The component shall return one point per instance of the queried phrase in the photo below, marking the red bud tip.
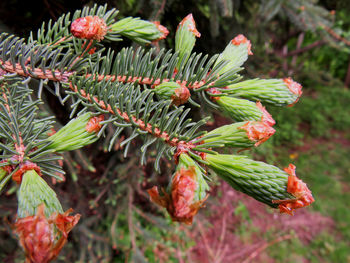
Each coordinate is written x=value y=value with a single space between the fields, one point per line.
x=89 y=27
x=258 y=132
x=298 y=189
x=94 y=124
x=266 y=116
x=191 y=25
x=24 y=167
x=162 y=29
x=241 y=39
x=294 y=87
x=181 y=95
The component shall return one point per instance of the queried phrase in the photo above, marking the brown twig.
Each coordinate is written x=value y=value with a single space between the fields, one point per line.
x=266 y=245
x=304 y=49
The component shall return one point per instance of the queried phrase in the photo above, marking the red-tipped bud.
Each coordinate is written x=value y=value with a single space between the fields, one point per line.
x=266 y=116
x=191 y=24
x=294 y=87
x=258 y=132
x=89 y=27
x=298 y=189
x=179 y=94
x=241 y=39
x=162 y=29
x=41 y=238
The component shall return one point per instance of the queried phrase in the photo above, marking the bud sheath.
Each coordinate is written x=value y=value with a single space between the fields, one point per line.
x=259 y=180
x=241 y=134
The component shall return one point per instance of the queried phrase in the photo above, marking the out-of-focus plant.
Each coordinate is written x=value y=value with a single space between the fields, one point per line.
x=133 y=93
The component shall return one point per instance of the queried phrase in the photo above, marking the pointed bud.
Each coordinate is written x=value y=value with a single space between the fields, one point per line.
x=77 y=133
x=89 y=27
x=42 y=238
x=138 y=30
x=179 y=94
x=259 y=180
x=241 y=134
x=236 y=53
x=279 y=92
x=298 y=189
x=186 y=192
x=185 y=38
x=243 y=110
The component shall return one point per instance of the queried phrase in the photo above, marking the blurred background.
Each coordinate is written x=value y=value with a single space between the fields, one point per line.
x=308 y=40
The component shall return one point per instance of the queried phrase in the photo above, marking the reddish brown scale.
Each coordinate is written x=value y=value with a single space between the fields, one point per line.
x=94 y=124
x=182 y=147
x=24 y=167
x=181 y=95
x=89 y=27
x=258 y=132
x=266 y=116
x=241 y=39
x=162 y=29
x=8 y=168
x=179 y=202
x=295 y=88
x=214 y=91
x=51 y=132
x=297 y=188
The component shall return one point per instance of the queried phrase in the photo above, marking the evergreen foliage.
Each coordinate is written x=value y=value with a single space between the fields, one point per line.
x=112 y=94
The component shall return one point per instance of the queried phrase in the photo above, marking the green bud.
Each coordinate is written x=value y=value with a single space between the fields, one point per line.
x=278 y=92
x=33 y=192
x=172 y=91
x=138 y=30
x=236 y=52
x=77 y=133
x=185 y=38
x=241 y=134
x=243 y=110
x=259 y=180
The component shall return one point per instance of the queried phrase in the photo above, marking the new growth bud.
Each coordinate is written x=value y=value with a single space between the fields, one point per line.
x=186 y=192
x=241 y=134
x=279 y=92
x=138 y=30
x=259 y=180
x=89 y=27
x=41 y=225
x=42 y=238
x=179 y=94
x=185 y=38
x=235 y=53
x=244 y=110
x=77 y=133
